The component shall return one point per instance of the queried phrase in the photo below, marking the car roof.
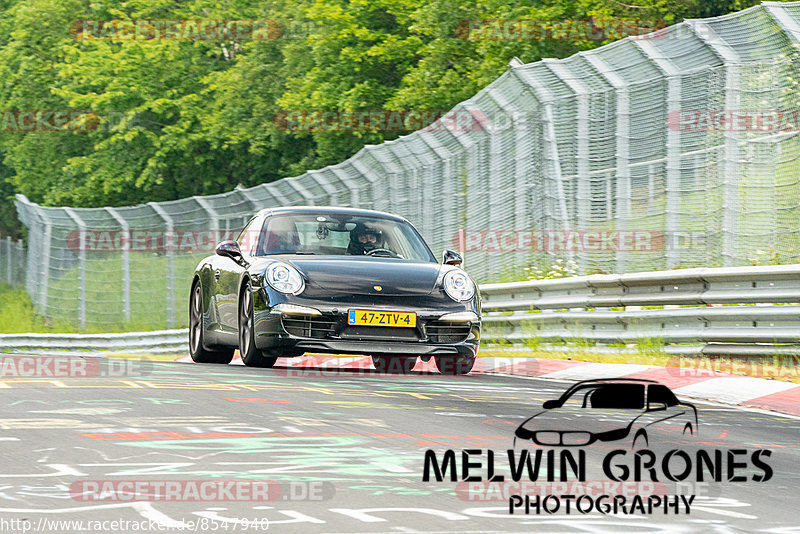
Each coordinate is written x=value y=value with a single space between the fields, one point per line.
x=329 y=209
x=617 y=380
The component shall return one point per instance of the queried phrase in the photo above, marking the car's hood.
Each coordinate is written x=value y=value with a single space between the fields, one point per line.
x=592 y=420
x=359 y=276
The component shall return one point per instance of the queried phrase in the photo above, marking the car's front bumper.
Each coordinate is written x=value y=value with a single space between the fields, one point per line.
x=329 y=332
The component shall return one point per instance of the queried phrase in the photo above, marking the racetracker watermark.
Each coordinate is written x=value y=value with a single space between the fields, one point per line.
x=558 y=240
x=176 y=30
x=34 y=366
x=558 y=30
x=152 y=240
x=778 y=367
x=487 y=490
x=728 y=120
x=508 y=240
x=192 y=524
x=199 y=490
x=48 y=120
x=380 y=121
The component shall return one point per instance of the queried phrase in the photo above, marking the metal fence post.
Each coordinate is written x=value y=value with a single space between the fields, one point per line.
x=583 y=190
x=21 y=264
x=44 y=277
x=622 y=128
x=213 y=217
x=9 y=278
x=673 y=165
x=82 y=259
x=247 y=193
x=170 y=264
x=126 y=263
x=730 y=181
x=550 y=151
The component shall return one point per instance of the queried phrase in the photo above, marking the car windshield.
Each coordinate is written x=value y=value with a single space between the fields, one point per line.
x=338 y=234
x=607 y=396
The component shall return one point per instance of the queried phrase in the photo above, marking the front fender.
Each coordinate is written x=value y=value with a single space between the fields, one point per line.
x=204 y=274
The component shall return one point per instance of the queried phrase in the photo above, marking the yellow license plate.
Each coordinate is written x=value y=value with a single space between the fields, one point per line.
x=381 y=318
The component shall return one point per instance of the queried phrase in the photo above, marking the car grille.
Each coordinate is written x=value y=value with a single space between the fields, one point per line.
x=310 y=326
x=444 y=332
x=326 y=326
x=378 y=333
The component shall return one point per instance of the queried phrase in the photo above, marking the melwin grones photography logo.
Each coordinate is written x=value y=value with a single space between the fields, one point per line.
x=615 y=446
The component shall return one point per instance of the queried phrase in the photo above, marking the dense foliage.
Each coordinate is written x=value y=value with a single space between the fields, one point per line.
x=178 y=117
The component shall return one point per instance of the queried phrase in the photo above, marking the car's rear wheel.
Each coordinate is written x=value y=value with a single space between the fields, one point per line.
x=251 y=356
x=199 y=353
x=394 y=364
x=454 y=365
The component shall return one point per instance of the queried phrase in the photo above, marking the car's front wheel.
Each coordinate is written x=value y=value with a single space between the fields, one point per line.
x=251 y=356
x=394 y=364
x=199 y=353
x=454 y=365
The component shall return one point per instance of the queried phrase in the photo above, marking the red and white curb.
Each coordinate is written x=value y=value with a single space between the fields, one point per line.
x=710 y=385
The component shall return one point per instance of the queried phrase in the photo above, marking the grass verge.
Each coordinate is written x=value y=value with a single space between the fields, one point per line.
x=17 y=315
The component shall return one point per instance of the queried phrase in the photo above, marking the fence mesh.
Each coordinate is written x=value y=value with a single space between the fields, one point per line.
x=578 y=159
x=12 y=255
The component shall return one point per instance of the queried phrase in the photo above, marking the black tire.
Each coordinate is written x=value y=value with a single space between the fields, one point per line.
x=394 y=364
x=197 y=351
x=251 y=356
x=454 y=365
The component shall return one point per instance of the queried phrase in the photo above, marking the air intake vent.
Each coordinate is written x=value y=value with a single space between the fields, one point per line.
x=310 y=326
x=445 y=332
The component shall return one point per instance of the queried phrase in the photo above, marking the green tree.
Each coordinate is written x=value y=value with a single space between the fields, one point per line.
x=179 y=118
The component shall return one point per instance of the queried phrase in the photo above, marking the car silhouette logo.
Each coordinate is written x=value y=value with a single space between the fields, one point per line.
x=609 y=409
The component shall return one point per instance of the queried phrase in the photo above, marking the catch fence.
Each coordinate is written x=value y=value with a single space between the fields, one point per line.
x=630 y=157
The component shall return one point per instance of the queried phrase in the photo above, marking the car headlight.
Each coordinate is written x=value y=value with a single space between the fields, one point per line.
x=458 y=286
x=285 y=278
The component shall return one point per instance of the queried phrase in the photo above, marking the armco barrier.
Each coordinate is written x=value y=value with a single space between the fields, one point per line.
x=729 y=311
x=724 y=305
x=158 y=341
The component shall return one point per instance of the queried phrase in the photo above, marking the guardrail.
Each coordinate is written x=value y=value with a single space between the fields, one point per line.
x=729 y=311
x=164 y=341
x=754 y=307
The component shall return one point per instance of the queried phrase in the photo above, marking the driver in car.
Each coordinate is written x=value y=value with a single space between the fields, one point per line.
x=363 y=240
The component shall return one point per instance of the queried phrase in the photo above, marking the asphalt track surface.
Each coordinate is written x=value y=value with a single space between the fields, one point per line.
x=346 y=449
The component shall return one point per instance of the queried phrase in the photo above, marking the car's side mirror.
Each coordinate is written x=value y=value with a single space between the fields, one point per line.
x=229 y=249
x=656 y=406
x=451 y=257
x=549 y=405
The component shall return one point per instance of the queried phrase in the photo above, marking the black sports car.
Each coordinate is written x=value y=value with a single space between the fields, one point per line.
x=333 y=280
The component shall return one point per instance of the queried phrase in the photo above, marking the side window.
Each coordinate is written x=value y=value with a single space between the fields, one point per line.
x=618 y=396
x=661 y=394
x=579 y=398
x=248 y=239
